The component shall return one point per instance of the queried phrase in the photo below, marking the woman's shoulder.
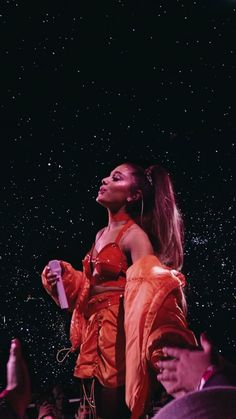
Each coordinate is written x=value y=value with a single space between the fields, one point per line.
x=99 y=233
x=135 y=229
x=136 y=237
x=134 y=241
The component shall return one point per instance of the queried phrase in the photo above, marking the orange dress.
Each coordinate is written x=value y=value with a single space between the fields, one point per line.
x=97 y=326
x=120 y=334
x=102 y=352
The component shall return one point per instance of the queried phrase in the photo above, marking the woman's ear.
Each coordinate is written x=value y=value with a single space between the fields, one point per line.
x=135 y=196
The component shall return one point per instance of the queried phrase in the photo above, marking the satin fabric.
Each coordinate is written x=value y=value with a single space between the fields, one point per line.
x=154 y=317
x=109 y=266
x=102 y=352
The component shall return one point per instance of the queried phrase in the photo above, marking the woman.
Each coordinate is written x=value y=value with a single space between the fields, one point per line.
x=128 y=302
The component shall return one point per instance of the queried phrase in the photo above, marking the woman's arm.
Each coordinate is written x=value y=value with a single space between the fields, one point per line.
x=137 y=243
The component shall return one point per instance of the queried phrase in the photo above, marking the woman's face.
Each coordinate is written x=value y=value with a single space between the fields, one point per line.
x=116 y=188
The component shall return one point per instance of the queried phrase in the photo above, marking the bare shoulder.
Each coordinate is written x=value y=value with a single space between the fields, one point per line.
x=137 y=242
x=99 y=233
x=135 y=232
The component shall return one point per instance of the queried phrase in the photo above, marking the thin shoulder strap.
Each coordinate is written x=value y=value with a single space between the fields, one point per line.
x=123 y=230
x=94 y=243
x=100 y=235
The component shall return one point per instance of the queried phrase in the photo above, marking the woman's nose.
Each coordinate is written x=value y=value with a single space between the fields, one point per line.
x=104 y=181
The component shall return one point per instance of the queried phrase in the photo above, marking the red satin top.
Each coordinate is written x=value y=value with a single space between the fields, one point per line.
x=109 y=266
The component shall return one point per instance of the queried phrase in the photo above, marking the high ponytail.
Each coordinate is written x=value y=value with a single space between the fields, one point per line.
x=167 y=222
x=157 y=213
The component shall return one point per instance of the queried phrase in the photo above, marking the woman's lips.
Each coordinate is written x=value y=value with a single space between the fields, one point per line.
x=102 y=190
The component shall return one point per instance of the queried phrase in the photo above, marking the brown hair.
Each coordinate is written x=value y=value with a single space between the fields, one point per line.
x=157 y=213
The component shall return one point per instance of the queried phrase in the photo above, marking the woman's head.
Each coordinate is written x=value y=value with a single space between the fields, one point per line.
x=118 y=189
x=147 y=195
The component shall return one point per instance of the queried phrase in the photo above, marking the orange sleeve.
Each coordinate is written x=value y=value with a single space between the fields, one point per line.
x=75 y=283
x=169 y=328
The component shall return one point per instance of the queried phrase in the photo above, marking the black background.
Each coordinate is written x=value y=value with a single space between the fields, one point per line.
x=84 y=87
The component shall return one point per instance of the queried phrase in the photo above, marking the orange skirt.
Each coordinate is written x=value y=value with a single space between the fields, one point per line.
x=102 y=352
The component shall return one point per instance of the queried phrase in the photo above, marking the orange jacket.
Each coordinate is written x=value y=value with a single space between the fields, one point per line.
x=154 y=317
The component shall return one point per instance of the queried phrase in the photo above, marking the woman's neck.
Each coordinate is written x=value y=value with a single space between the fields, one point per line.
x=119 y=218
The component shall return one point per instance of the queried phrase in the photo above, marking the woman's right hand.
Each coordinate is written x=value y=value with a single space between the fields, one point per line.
x=51 y=277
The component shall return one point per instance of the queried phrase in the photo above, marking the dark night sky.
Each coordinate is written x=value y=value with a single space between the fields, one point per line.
x=85 y=86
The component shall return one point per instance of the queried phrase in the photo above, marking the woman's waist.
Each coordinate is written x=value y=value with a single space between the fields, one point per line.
x=101 y=289
x=104 y=300
x=107 y=281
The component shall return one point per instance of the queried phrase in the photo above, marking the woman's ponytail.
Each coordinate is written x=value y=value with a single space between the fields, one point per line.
x=167 y=223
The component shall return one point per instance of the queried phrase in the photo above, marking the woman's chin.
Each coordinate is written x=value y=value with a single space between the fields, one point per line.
x=100 y=201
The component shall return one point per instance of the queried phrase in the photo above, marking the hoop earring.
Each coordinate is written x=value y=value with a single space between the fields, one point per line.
x=142 y=208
